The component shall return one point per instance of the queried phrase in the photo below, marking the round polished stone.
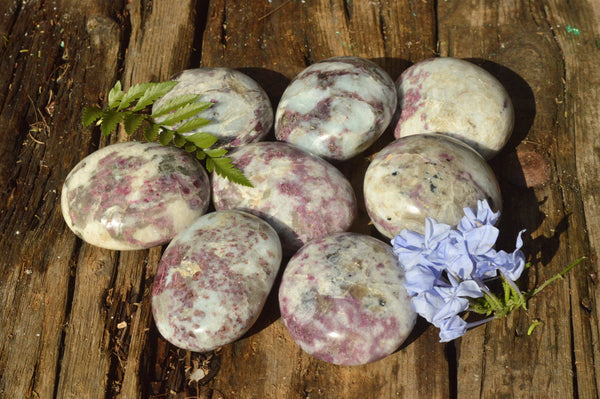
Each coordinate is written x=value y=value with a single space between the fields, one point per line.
x=302 y=196
x=343 y=301
x=134 y=195
x=241 y=111
x=458 y=98
x=336 y=108
x=213 y=280
x=426 y=175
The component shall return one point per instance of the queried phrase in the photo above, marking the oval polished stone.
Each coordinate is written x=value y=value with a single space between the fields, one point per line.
x=241 y=112
x=343 y=301
x=302 y=196
x=426 y=175
x=213 y=280
x=336 y=108
x=134 y=195
x=458 y=98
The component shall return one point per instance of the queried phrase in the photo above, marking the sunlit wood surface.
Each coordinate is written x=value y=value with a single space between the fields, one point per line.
x=75 y=320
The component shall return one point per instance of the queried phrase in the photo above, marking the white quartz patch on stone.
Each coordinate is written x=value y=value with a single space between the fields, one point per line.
x=426 y=175
x=213 y=280
x=134 y=195
x=302 y=196
x=342 y=299
x=458 y=98
x=241 y=112
x=336 y=108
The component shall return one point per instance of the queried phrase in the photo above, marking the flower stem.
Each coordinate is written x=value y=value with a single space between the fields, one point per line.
x=480 y=322
x=557 y=276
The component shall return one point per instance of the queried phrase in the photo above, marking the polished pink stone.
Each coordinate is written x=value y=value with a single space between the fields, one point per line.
x=343 y=301
x=213 y=280
x=426 y=175
x=302 y=196
x=134 y=195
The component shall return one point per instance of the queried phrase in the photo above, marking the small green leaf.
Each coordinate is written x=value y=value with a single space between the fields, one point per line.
x=218 y=152
x=151 y=132
x=110 y=120
x=210 y=165
x=190 y=147
x=201 y=155
x=165 y=136
x=533 y=325
x=224 y=167
x=115 y=95
x=202 y=140
x=182 y=113
x=175 y=103
x=133 y=94
x=154 y=92
x=132 y=122
x=91 y=115
x=179 y=140
x=192 y=124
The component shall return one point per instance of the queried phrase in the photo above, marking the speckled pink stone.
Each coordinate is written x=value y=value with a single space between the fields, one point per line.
x=213 y=280
x=426 y=175
x=134 y=195
x=241 y=112
x=343 y=301
x=302 y=196
x=458 y=98
x=336 y=108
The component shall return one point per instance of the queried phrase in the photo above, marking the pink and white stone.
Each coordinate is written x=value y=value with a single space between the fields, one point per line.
x=134 y=195
x=426 y=175
x=302 y=196
x=343 y=301
x=213 y=280
x=458 y=98
x=336 y=108
x=241 y=112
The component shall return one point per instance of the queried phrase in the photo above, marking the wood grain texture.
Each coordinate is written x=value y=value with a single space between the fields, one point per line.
x=75 y=321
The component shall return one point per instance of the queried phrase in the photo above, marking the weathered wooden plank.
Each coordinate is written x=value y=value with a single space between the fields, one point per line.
x=76 y=320
x=123 y=325
x=42 y=57
x=492 y=359
x=577 y=32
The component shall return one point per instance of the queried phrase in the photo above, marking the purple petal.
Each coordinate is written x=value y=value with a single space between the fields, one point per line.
x=469 y=289
x=486 y=268
x=511 y=265
x=452 y=328
x=485 y=214
x=450 y=309
x=427 y=304
x=420 y=278
x=481 y=240
x=435 y=232
x=409 y=239
x=457 y=259
x=409 y=247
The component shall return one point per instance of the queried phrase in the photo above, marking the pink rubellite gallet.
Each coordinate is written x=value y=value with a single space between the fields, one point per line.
x=213 y=280
x=426 y=175
x=301 y=195
x=458 y=98
x=343 y=301
x=134 y=195
x=336 y=108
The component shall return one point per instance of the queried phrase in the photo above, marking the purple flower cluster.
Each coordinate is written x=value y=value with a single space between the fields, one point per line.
x=446 y=268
